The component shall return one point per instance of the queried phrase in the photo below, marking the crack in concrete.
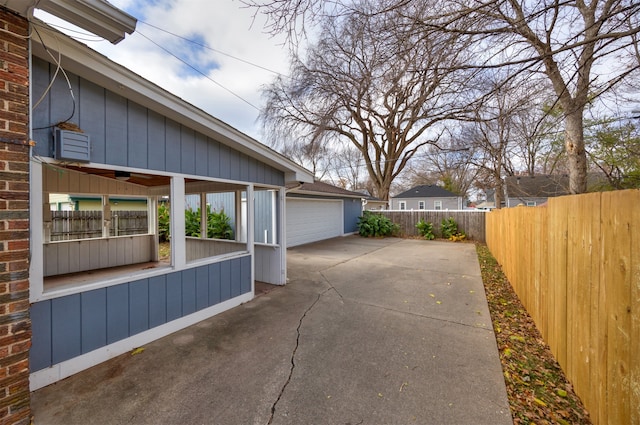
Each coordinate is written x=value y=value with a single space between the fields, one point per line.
x=293 y=356
x=332 y=287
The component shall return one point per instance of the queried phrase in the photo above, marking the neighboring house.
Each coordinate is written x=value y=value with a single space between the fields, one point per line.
x=318 y=211
x=127 y=139
x=534 y=190
x=65 y=202
x=371 y=203
x=427 y=197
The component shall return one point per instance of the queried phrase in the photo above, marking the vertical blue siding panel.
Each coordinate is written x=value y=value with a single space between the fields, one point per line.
x=94 y=319
x=188 y=151
x=92 y=121
x=214 y=158
x=202 y=287
x=234 y=164
x=156 y=143
x=236 y=264
x=173 y=157
x=65 y=328
x=260 y=172
x=137 y=137
x=116 y=129
x=245 y=275
x=40 y=79
x=202 y=168
x=188 y=291
x=174 y=296
x=225 y=280
x=61 y=102
x=138 y=306
x=225 y=161
x=252 y=170
x=244 y=167
x=157 y=301
x=40 y=351
x=214 y=283
x=352 y=209
x=117 y=313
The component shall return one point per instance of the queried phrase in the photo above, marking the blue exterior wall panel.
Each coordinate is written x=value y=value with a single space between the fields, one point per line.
x=157 y=301
x=94 y=319
x=352 y=210
x=117 y=313
x=214 y=284
x=124 y=133
x=66 y=327
x=40 y=351
x=202 y=288
x=138 y=306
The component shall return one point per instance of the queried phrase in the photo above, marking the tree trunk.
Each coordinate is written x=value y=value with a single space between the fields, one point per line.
x=576 y=154
x=497 y=197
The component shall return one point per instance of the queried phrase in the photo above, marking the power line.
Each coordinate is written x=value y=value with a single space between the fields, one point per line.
x=200 y=72
x=83 y=36
x=197 y=43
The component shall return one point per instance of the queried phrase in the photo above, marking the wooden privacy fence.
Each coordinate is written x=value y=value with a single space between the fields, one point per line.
x=575 y=264
x=71 y=225
x=471 y=222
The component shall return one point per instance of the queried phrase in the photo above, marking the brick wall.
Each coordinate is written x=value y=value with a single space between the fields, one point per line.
x=15 y=326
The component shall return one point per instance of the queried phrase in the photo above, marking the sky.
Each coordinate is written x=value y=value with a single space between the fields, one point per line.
x=212 y=80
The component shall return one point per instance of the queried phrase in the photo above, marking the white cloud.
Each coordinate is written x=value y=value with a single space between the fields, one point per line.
x=224 y=25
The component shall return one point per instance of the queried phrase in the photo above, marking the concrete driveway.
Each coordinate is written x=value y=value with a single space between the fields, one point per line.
x=368 y=331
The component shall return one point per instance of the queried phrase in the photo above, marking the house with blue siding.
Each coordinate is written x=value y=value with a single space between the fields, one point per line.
x=120 y=137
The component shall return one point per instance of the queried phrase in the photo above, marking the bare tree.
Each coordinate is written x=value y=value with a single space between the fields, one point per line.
x=316 y=157
x=492 y=135
x=565 y=41
x=569 y=42
x=449 y=165
x=366 y=84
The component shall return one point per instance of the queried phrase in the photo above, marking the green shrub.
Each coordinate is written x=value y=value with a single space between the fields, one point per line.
x=425 y=229
x=218 y=224
x=450 y=230
x=449 y=227
x=192 y=222
x=376 y=225
x=163 y=223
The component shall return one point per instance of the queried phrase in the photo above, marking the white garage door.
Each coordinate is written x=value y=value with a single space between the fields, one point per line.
x=310 y=220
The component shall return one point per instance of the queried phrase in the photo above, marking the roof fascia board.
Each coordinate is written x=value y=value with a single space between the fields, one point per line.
x=97 y=16
x=91 y=65
x=325 y=194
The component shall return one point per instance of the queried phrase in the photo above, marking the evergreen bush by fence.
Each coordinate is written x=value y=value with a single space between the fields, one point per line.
x=575 y=265
x=471 y=222
x=70 y=225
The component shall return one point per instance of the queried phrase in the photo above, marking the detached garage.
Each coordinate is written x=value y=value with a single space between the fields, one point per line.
x=318 y=211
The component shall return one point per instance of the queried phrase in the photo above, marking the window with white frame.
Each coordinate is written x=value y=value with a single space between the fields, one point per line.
x=437 y=205
x=402 y=205
x=531 y=203
x=420 y=205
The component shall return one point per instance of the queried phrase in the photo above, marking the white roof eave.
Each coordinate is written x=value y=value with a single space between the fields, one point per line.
x=92 y=66
x=96 y=16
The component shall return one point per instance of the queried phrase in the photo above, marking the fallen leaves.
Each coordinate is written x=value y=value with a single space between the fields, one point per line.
x=538 y=391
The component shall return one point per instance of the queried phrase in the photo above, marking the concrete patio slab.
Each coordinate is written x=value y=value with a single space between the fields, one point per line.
x=369 y=331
